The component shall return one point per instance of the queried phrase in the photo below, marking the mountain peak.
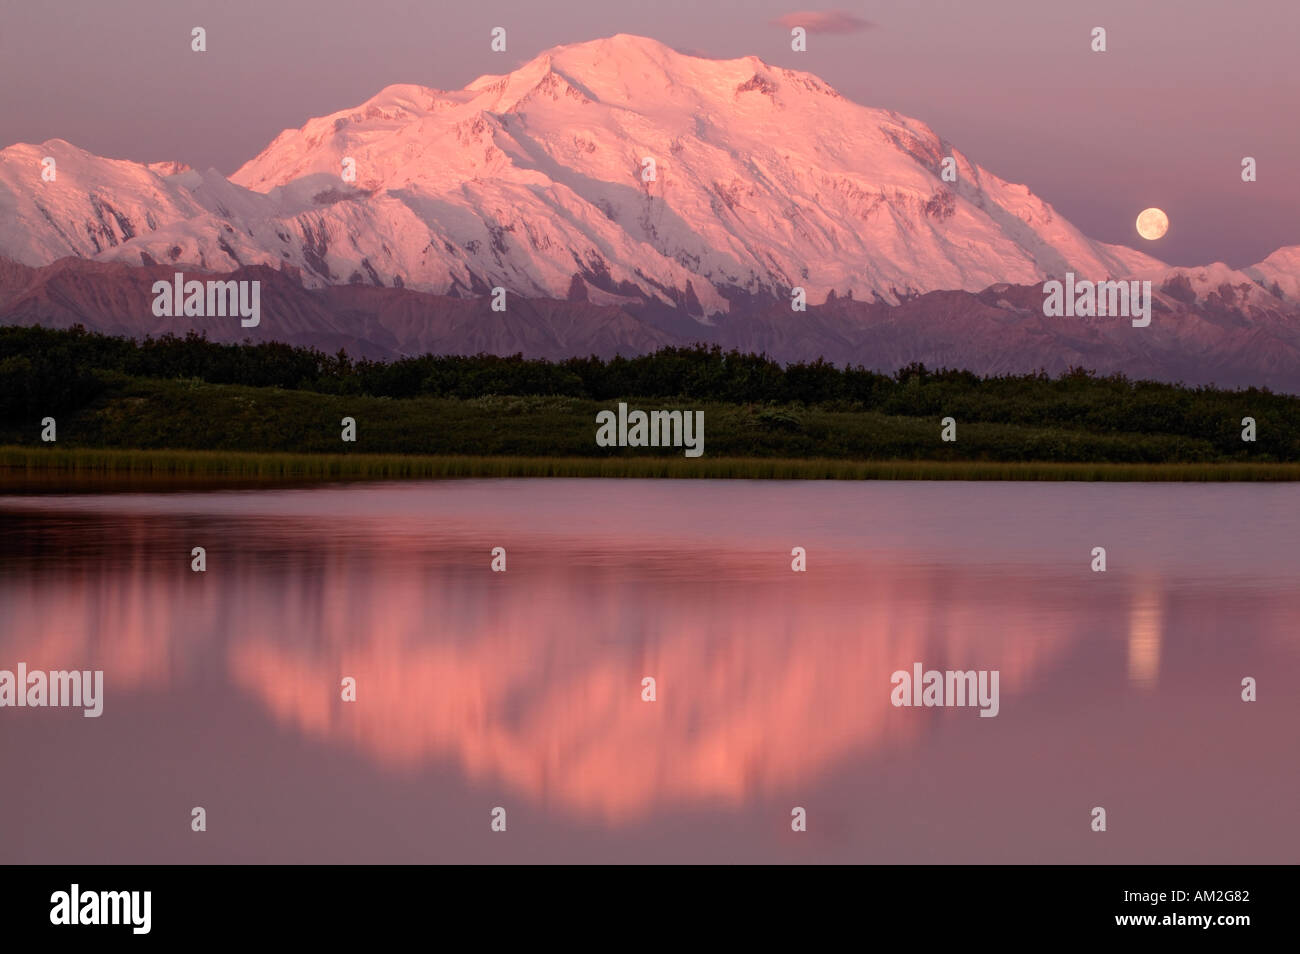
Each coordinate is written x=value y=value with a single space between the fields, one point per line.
x=638 y=169
x=622 y=44
x=409 y=96
x=508 y=92
x=634 y=46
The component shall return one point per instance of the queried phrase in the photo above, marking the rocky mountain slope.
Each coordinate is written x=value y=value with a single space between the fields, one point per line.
x=999 y=330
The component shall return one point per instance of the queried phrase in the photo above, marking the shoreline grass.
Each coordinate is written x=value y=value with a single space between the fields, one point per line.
x=19 y=464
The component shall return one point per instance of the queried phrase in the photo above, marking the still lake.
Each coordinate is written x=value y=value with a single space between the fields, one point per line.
x=523 y=689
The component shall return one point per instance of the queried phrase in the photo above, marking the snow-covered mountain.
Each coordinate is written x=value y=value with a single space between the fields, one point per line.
x=764 y=179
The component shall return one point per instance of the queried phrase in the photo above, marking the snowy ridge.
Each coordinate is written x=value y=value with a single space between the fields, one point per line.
x=766 y=178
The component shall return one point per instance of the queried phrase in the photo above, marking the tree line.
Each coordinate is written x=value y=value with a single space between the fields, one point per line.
x=44 y=371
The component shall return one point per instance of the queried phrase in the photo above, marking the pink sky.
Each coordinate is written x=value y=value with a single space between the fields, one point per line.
x=1187 y=88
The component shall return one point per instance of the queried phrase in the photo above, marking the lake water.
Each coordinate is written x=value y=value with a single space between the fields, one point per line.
x=523 y=689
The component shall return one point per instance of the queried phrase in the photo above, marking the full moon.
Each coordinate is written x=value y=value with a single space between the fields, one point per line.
x=1152 y=224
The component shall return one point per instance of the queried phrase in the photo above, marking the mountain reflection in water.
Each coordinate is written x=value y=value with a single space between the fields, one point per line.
x=773 y=687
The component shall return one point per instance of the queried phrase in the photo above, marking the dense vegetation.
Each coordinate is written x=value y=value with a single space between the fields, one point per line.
x=188 y=392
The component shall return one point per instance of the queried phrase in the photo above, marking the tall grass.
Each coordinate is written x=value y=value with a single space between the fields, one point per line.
x=16 y=461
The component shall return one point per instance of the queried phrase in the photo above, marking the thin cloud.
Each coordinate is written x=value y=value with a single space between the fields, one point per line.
x=825 y=21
